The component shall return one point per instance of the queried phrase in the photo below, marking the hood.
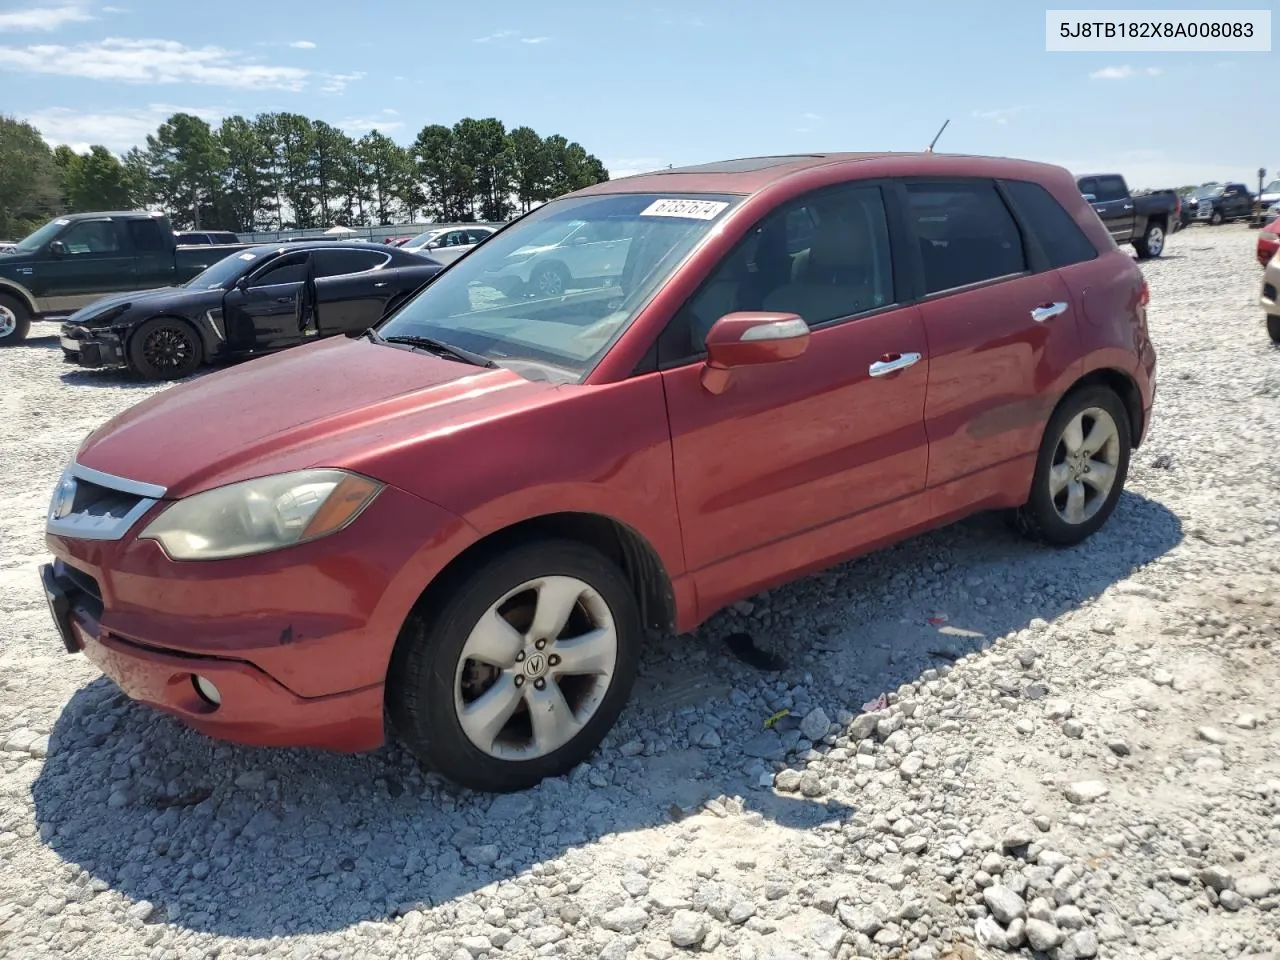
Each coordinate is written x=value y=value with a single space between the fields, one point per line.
x=98 y=307
x=332 y=403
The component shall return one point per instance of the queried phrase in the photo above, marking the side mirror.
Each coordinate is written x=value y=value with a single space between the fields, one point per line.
x=57 y=249
x=242 y=284
x=750 y=338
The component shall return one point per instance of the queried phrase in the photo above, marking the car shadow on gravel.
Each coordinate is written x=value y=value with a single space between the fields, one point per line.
x=260 y=843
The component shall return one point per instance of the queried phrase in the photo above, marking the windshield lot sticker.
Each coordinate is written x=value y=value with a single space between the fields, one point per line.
x=246 y=256
x=686 y=209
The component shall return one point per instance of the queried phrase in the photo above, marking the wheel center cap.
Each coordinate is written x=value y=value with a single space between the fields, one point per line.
x=535 y=665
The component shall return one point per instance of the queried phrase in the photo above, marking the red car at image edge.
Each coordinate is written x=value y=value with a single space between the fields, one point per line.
x=1268 y=242
x=625 y=410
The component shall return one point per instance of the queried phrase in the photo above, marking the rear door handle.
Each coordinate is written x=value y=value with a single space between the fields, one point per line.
x=892 y=362
x=1128 y=206
x=284 y=299
x=381 y=283
x=1047 y=311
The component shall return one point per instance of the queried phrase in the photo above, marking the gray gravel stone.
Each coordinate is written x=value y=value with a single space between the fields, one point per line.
x=687 y=928
x=1043 y=936
x=1004 y=904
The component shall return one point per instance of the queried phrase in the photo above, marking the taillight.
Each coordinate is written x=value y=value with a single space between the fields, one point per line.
x=1145 y=297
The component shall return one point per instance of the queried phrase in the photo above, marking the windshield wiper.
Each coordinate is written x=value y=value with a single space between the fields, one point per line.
x=438 y=347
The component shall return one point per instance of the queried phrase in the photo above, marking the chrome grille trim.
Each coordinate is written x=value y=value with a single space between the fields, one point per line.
x=81 y=524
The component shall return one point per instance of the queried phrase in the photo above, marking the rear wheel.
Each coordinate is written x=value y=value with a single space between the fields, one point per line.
x=1080 y=469
x=522 y=668
x=15 y=321
x=1151 y=244
x=165 y=349
x=1273 y=327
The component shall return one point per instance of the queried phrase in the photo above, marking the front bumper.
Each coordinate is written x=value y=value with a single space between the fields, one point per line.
x=92 y=348
x=253 y=708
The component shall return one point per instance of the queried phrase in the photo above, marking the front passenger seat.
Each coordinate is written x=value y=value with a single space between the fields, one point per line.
x=837 y=279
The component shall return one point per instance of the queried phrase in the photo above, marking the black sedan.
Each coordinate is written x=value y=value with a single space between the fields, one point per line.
x=255 y=301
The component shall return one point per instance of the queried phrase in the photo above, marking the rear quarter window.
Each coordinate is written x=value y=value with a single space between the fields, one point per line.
x=1059 y=236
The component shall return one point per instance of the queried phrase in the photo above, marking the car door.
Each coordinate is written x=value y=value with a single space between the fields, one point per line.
x=764 y=469
x=1236 y=201
x=351 y=289
x=1113 y=205
x=262 y=314
x=1001 y=336
x=87 y=261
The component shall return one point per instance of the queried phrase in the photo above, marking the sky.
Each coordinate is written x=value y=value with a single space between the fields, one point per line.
x=644 y=83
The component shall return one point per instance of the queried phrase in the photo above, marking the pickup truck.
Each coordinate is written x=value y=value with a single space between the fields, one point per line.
x=76 y=259
x=1141 y=221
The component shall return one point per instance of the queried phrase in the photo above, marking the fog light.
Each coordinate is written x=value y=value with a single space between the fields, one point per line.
x=206 y=689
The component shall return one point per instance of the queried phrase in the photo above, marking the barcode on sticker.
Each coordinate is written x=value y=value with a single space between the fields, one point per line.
x=688 y=209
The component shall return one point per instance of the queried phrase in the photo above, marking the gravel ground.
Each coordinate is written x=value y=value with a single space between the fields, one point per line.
x=1078 y=756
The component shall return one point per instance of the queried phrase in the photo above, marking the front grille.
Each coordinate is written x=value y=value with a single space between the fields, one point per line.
x=89 y=505
x=92 y=500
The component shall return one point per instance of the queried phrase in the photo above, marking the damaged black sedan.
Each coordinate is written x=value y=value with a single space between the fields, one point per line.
x=255 y=301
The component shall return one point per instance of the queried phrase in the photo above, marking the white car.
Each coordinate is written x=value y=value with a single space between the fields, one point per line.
x=573 y=253
x=447 y=244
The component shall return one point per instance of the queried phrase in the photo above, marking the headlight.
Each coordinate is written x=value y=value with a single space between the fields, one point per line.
x=256 y=516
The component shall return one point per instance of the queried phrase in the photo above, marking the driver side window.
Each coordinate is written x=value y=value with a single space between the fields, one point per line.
x=288 y=269
x=825 y=257
x=91 y=236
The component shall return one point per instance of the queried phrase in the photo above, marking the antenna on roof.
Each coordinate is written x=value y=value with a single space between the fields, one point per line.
x=929 y=149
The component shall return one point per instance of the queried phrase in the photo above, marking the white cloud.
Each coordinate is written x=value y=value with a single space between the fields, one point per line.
x=303 y=45
x=337 y=82
x=499 y=35
x=164 y=62
x=1124 y=72
x=115 y=9
x=534 y=39
x=811 y=116
x=117 y=130
x=1001 y=115
x=150 y=61
x=355 y=126
x=44 y=18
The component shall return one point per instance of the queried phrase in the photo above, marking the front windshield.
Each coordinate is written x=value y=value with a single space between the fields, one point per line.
x=1272 y=187
x=224 y=272
x=37 y=240
x=1204 y=193
x=555 y=289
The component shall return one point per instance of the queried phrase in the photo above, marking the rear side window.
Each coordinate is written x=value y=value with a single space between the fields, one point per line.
x=965 y=233
x=147 y=236
x=1060 y=237
x=335 y=263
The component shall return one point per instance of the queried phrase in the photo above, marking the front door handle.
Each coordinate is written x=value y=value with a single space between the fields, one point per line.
x=892 y=362
x=1047 y=311
x=284 y=299
x=1128 y=206
x=381 y=283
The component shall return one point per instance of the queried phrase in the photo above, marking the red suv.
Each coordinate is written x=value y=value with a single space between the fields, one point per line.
x=466 y=519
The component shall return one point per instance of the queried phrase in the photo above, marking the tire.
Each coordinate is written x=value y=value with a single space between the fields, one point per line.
x=1273 y=327
x=549 y=280
x=1151 y=244
x=1216 y=218
x=165 y=349
x=431 y=682
x=1045 y=517
x=15 y=321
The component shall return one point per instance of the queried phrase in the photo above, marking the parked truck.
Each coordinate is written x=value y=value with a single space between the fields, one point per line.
x=76 y=259
x=1142 y=221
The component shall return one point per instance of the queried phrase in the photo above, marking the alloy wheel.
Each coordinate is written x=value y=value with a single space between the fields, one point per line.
x=167 y=349
x=1085 y=464
x=8 y=321
x=535 y=668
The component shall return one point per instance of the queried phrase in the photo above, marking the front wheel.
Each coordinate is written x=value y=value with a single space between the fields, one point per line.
x=1080 y=469
x=521 y=670
x=549 y=280
x=1151 y=244
x=165 y=349
x=1216 y=218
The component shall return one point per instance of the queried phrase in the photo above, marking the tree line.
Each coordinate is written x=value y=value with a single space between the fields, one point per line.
x=279 y=171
